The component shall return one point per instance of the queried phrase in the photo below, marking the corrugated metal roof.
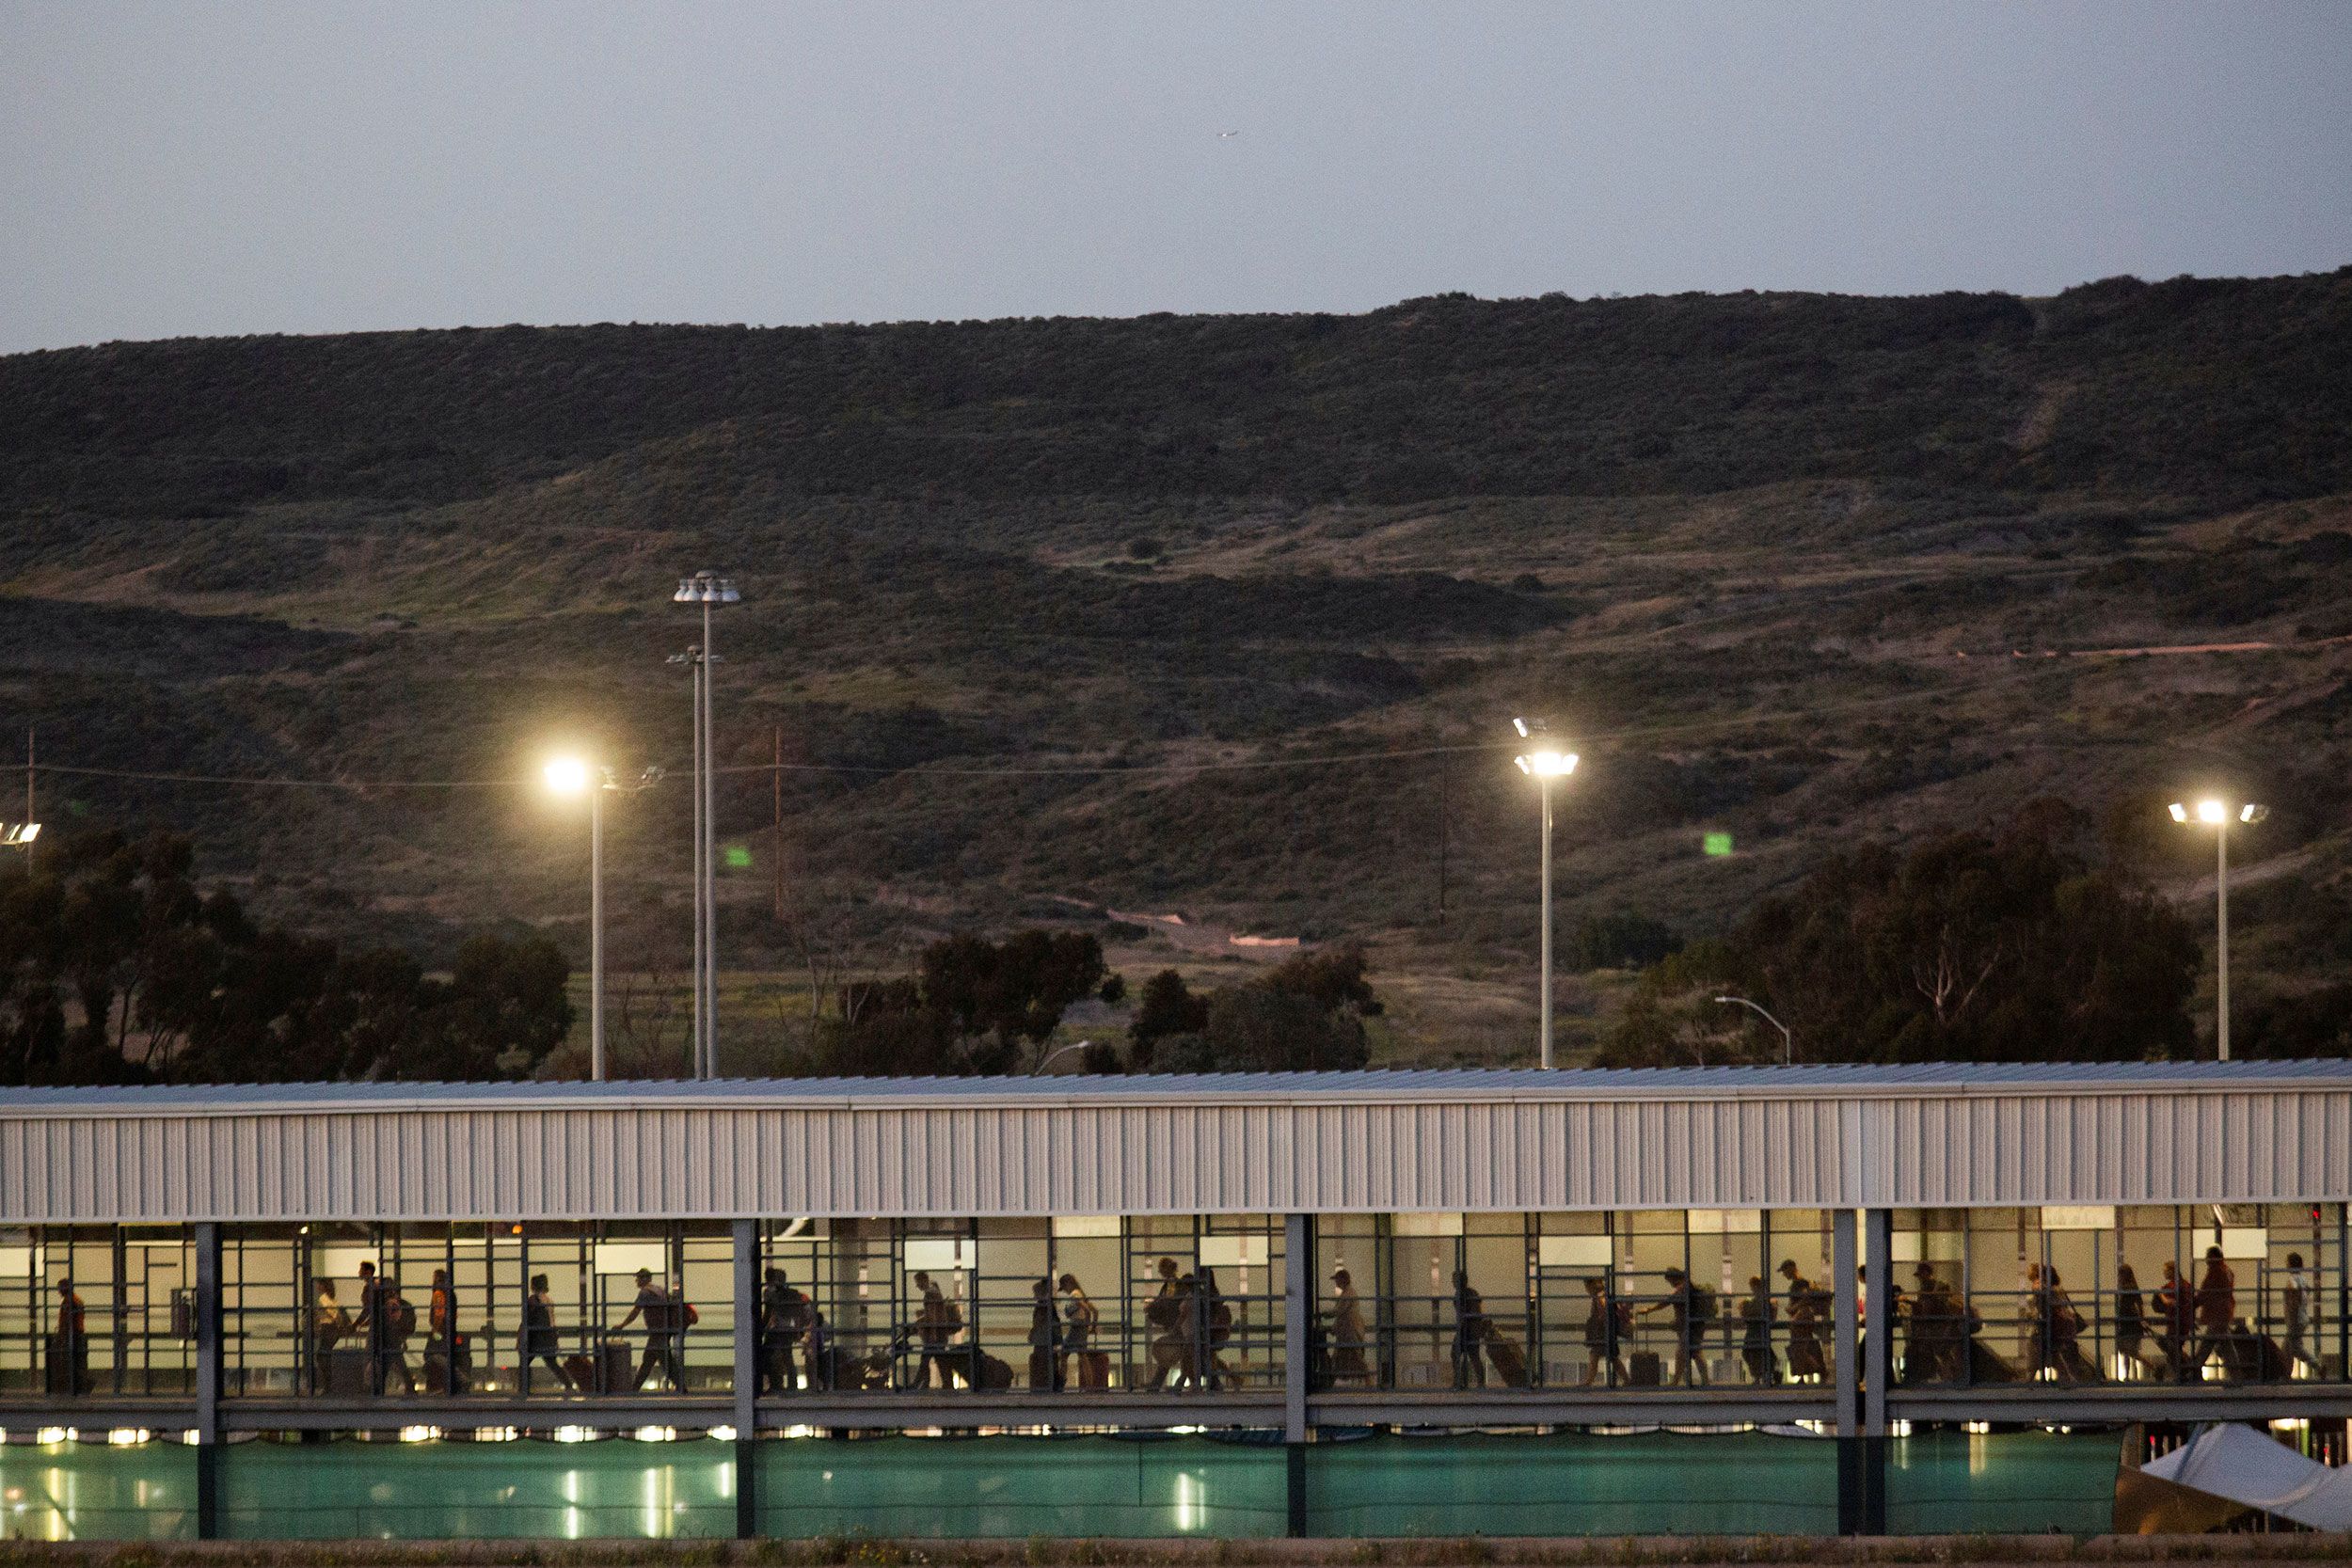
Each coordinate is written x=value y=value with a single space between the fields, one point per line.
x=1377 y=1084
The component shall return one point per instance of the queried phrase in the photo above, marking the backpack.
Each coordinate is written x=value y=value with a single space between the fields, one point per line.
x=1702 y=1307
x=404 y=1317
x=1220 y=1322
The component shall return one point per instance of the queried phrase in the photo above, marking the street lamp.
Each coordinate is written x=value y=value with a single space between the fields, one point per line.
x=1543 y=761
x=2217 y=814
x=1788 y=1041
x=571 y=776
x=705 y=589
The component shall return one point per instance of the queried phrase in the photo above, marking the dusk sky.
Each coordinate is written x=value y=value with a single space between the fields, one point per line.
x=211 y=169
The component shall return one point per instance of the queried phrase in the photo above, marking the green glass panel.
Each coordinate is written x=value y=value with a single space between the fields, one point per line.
x=98 y=1492
x=442 y=1490
x=1019 y=1486
x=1652 y=1484
x=2026 y=1483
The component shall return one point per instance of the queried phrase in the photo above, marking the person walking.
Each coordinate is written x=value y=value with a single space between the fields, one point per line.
x=784 y=1313
x=445 y=1348
x=388 y=1321
x=330 y=1324
x=1348 y=1338
x=1756 y=1334
x=1216 y=1327
x=540 y=1343
x=656 y=1308
x=1087 y=1366
x=2300 y=1299
x=1681 y=1303
x=2131 y=1320
x=1044 y=1339
x=1165 y=1316
x=2216 y=1312
x=69 y=1344
x=1470 y=1334
x=1608 y=1325
x=936 y=1323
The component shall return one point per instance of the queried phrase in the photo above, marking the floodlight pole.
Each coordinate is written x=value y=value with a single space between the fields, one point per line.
x=1543 y=792
x=711 y=869
x=2221 y=917
x=596 y=928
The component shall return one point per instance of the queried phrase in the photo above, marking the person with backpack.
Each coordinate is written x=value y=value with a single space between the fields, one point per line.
x=1682 y=1302
x=936 y=1323
x=662 y=1315
x=448 y=1357
x=69 y=1345
x=1165 y=1316
x=539 y=1340
x=388 y=1321
x=784 y=1314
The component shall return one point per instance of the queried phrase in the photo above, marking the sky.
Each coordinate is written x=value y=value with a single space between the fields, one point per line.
x=177 y=169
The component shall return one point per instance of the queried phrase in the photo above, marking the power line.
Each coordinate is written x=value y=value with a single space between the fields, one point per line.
x=2012 y=674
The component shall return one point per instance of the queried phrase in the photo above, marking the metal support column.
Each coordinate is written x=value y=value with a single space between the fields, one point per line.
x=1299 y=1357
x=746 y=1377
x=208 y=1344
x=1846 y=1320
x=1878 y=1365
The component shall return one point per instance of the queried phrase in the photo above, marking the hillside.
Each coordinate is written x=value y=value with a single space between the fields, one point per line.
x=1772 y=558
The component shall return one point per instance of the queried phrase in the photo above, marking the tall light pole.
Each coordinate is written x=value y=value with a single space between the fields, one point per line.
x=707 y=589
x=1543 y=761
x=572 y=776
x=1788 y=1041
x=2216 y=814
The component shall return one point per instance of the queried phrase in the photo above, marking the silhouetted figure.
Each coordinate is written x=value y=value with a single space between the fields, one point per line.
x=1681 y=1305
x=1044 y=1339
x=1085 y=1366
x=2131 y=1317
x=446 y=1357
x=2300 y=1300
x=662 y=1317
x=1349 y=1340
x=937 y=1322
x=1470 y=1334
x=783 y=1322
x=1608 y=1324
x=330 y=1325
x=2216 y=1309
x=1756 y=1334
x=69 y=1345
x=540 y=1342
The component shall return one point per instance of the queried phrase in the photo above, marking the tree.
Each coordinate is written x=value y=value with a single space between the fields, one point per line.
x=1976 y=945
x=116 y=967
x=971 y=1007
x=1165 y=1008
x=1621 y=941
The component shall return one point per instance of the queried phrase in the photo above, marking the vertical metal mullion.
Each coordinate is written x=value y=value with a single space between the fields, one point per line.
x=209 y=1328
x=746 y=1375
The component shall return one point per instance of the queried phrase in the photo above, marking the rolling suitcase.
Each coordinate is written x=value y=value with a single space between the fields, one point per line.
x=616 y=1372
x=1647 y=1371
x=581 y=1370
x=346 y=1373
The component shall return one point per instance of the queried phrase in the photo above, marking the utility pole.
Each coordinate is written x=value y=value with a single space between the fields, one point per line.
x=775 y=840
x=30 y=816
x=1445 y=772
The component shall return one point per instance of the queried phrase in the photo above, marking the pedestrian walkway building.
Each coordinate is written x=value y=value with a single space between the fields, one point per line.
x=1340 y=1303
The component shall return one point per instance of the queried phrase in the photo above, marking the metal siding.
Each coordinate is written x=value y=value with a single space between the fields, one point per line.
x=2243 y=1144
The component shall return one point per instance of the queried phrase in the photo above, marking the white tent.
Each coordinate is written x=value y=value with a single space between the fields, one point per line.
x=2240 y=1463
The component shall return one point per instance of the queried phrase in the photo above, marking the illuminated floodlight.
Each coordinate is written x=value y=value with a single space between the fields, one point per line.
x=2250 y=812
x=2212 y=811
x=567 y=775
x=12 y=833
x=2180 y=812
